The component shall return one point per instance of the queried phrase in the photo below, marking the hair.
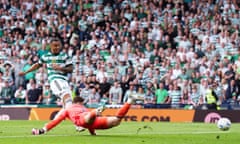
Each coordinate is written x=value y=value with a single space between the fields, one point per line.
x=53 y=39
x=56 y=39
x=78 y=99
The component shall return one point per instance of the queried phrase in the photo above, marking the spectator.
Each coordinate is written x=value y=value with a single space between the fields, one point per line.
x=130 y=91
x=18 y=64
x=85 y=92
x=8 y=71
x=20 y=95
x=231 y=93
x=30 y=83
x=175 y=97
x=104 y=88
x=185 y=97
x=94 y=98
x=211 y=98
x=141 y=93
x=41 y=75
x=7 y=93
x=101 y=74
x=161 y=94
x=115 y=94
x=30 y=75
x=47 y=96
x=229 y=74
x=149 y=99
x=34 y=95
x=194 y=98
x=125 y=84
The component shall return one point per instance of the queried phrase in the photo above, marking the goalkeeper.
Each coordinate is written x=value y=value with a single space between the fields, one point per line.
x=90 y=120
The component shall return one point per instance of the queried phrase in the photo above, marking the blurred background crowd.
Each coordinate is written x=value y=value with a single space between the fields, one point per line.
x=175 y=53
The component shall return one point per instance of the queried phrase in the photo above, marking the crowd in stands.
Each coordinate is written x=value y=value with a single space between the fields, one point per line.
x=175 y=53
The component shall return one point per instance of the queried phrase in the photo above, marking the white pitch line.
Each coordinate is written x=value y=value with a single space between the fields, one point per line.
x=140 y=133
x=27 y=136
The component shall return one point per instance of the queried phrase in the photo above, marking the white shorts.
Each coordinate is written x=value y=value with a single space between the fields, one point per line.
x=60 y=87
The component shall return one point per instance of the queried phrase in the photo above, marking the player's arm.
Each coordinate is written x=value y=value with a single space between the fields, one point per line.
x=66 y=69
x=55 y=122
x=32 y=68
x=50 y=125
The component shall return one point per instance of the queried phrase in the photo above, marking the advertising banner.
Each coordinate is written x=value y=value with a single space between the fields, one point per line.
x=155 y=115
x=152 y=115
x=144 y=115
x=43 y=113
x=14 y=113
x=212 y=116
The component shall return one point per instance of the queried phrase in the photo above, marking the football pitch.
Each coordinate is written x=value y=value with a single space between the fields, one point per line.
x=19 y=132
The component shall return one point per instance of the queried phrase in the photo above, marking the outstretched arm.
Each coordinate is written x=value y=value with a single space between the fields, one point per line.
x=50 y=125
x=32 y=68
x=55 y=122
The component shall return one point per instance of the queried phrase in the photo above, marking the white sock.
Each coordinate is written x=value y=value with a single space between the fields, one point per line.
x=79 y=128
x=68 y=102
x=45 y=129
x=130 y=101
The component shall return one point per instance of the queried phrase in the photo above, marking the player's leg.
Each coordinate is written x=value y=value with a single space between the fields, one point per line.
x=124 y=109
x=116 y=120
x=62 y=89
x=107 y=122
x=113 y=121
x=90 y=117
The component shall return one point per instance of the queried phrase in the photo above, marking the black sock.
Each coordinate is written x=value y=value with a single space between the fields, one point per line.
x=41 y=131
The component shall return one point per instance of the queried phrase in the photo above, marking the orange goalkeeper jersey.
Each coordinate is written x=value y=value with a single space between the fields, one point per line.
x=74 y=112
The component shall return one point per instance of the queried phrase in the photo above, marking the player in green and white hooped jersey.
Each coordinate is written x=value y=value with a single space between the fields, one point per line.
x=58 y=66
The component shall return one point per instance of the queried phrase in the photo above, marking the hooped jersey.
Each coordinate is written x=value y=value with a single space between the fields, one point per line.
x=61 y=59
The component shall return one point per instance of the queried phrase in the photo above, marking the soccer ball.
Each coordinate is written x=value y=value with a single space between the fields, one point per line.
x=224 y=124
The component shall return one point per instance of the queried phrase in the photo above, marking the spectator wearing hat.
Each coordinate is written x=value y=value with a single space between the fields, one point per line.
x=8 y=74
x=8 y=71
x=7 y=93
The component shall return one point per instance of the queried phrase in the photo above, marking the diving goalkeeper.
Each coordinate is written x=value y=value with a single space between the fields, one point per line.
x=90 y=120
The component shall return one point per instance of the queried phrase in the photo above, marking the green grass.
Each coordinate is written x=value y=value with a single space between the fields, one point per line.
x=19 y=132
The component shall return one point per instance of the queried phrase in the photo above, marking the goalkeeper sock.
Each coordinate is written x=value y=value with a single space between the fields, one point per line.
x=123 y=110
